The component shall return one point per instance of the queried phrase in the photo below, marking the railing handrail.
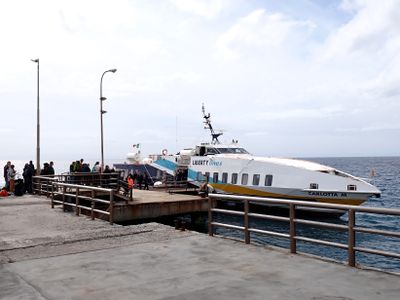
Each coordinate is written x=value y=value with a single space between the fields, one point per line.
x=344 y=207
x=92 y=198
x=87 y=187
x=46 y=177
x=294 y=205
x=90 y=173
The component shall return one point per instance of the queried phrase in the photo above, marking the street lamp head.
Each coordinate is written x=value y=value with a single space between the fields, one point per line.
x=35 y=60
x=113 y=70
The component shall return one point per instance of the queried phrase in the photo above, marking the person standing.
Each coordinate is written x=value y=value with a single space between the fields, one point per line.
x=146 y=181
x=32 y=166
x=6 y=167
x=28 y=173
x=11 y=177
x=51 y=168
x=131 y=184
x=45 y=170
x=140 y=180
x=96 y=167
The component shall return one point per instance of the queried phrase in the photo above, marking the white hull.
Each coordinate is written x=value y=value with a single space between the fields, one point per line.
x=288 y=178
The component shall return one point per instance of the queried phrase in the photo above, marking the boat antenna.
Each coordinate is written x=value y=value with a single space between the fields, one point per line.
x=207 y=125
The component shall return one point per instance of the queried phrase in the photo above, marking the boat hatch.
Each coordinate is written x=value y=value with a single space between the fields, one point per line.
x=335 y=172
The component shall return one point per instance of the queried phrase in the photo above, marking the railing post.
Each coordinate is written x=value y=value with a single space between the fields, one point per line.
x=111 y=207
x=352 y=239
x=63 y=197
x=77 y=202
x=52 y=195
x=292 y=230
x=47 y=187
x=39 y=185
x=92 y=204
x=210 y=216
x=246 y=222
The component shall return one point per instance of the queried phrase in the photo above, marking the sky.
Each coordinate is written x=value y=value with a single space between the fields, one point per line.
x=295 y=78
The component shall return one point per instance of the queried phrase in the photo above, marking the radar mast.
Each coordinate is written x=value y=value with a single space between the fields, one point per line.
x=207 y=125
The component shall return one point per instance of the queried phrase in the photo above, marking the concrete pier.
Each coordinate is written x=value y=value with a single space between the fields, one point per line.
x=48 y=254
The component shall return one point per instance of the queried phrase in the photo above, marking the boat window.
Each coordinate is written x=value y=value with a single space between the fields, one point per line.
x=245 y=178
x=256 y=179
x=232 y=151
x=207 y=176
x=314 y=186
x=215 y=177
x=268 y=180
x=234 y=178
x=202 y=151
x=211 y=151
x=352 y=187
x=224 y=177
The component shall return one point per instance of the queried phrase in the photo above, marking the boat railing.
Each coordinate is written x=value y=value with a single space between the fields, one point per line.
x=351 y=227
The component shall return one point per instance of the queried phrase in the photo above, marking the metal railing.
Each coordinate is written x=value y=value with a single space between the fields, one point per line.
x=42 y=184
x=82 y=196
x=292 y=235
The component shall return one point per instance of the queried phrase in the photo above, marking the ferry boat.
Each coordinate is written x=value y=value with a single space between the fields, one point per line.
x=231 y=169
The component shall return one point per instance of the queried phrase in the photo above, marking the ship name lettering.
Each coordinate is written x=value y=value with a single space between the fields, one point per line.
x=202 y=162
x=324 y=194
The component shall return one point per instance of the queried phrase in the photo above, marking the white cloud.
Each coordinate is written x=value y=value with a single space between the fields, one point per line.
x=257 y=29
x=300 y=113
x=371 y=30
x=203 y=8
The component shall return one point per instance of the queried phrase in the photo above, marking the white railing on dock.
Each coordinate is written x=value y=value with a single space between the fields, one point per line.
x=292 y=235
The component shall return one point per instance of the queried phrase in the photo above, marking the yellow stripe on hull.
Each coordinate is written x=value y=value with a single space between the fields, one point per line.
x=240 y=190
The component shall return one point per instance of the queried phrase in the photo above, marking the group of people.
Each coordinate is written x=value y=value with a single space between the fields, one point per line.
x=142 y=180
x=48 y=169
x=80 y=166
x=18 y=186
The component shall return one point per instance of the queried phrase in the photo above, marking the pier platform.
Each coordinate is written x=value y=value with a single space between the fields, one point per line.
x=153 y=204
x=48 y=254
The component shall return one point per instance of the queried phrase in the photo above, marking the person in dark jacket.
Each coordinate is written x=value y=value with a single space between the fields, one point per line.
x=85 y=168
x=51 y=168
x=146 y=181
x=32 y=166
x=140 y=180
x=27 y=174
x=6 y=167
x=45 y=170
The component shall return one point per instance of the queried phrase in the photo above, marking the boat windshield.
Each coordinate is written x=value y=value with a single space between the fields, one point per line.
x=232 y=151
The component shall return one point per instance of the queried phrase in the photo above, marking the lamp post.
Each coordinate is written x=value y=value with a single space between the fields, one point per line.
x=38 y=123
x=101 y=114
